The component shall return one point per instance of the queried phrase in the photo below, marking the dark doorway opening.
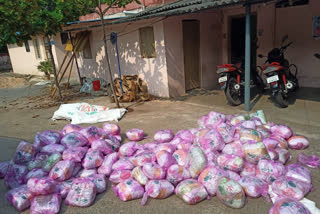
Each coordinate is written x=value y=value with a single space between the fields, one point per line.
x=237 y=39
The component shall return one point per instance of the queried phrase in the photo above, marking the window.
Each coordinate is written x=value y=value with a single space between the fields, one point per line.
x=147 y=44
x=64 y=38
x=290 y=3
x=37 y=49
x=26 y=44
x=87 y=50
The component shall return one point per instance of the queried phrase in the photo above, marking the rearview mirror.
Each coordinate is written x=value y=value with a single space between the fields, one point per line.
x=260 y=55
x=284 y=38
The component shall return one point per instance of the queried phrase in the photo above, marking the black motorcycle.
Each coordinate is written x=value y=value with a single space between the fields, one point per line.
x=279 y=74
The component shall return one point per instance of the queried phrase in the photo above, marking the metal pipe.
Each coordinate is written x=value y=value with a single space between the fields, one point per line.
x=116 y=38
x=247 y=58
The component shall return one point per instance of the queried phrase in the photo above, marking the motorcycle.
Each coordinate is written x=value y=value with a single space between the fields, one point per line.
x=232 y=81
x=279 y=75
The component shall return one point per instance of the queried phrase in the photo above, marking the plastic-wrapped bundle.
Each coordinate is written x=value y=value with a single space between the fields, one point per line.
x=128 y=190
x=118 y=137
x=75 y=154
x=185 y=135
x=269 y=170
x=270 y=142
x=91 y=133
x=177 y=173
x=138 y=174
x=36 y=173
x=165 y=147
x=158 y=189
x=62 y=170
x=38 y=161
x=202 y=121
x=100 y=181
x=53 y=148
x=214 y=118
x=82 y=193
x=282 y=131
x=211 y=140
x=41 y=186
x=71 y=128
x=51 y=161
x=19 y=197
x=234 y=148
x=197 y=161
x=64 y=187
x=153 y=171
x=273 y=154
x=212 y=157
x=284 y=155
x=184 y=145
x=142 y=159
x=263 y=131
x=226 y=132
x=233 y=175
x=24 y=153
x=164 y=136
x=248 y=169
x=288 y=187
x=128 y=149
x=45 y=204
x=255 y=152
x=47 y=137
x=231 y=193
x=165 y=159
x=102 y=146
x=210 y=176
x=122 y=164
x=248 y=124
x=298 y=142
x=249 y=135
x=238 y=118
x=253 y=186
x=282 y=142
x=113 y=142
x=135 y=134
x=148 y=147
x=118 y=176
x=86 y=173
x=92 y=159
x=106 y=166
x=288 y=206
x=111 y=128
x=191 y=191
x=312 y=161
x=3 y=168
x=76 y=169
x=74 y=139
x=231 y=162
x=299 y=172
x=16 y=175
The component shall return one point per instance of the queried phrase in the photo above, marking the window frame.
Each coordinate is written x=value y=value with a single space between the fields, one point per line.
x=27 y=46
x=145 y=53
x=37 y=48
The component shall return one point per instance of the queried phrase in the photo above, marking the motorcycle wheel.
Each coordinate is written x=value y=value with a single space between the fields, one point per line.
x=232 y=95
x=281 y=99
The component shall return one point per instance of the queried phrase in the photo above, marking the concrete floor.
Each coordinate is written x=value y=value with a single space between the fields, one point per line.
x=182 y=113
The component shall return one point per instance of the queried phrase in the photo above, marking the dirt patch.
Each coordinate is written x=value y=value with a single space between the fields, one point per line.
x=11 y=80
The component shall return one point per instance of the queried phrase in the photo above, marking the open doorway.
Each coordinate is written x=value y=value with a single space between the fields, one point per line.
x=237 y=39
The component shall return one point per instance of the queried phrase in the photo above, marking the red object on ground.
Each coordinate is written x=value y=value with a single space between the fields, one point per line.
x=96 y=85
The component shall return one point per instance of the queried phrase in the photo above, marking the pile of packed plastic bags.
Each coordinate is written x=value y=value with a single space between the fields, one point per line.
x=228 y=156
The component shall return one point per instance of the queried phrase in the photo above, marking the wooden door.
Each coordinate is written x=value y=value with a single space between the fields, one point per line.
x=191 y=51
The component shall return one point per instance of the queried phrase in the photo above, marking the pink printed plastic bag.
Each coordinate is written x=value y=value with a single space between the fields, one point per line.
x=226 y=132
x=45 y=204
x=234 y=148
x=24 y=153
x=74 y=154
x=165 y=147
x=36 y=173
x=64 y=187
x=184 y=145
x=233 y=175
x=51 y=161
x=139 y=176
x=177 y=173
x=197 y=161
x=71 y=128
x=288 y=206
x=135 y=134
x=3 y=168
x=92 y=159
x=214 y=118
x=299 y=172
x=163 y=136
x=16 y=175
x=210 y=140
x=106 y=166
x=270 y=143
x=298 y=142
x=128 y=190
x=282 y=142
x=142 y=159
x=288 y=187
x=273 y=154
x=255 y=152
x=282 y=131
x=269 y=170
x=231 y=162
x=91 y=133
x=153 y=171
x=263 y=131
x=82 y=193
x=312 y=161
x=86 y=173
x=112 y=129
x=185 y=135
x=181 y=157
x=76 y=169
x=46 y=138
x=284 y=155
x=158 y=189
x=74 y=139
x=19 y=197
x=254 y=187
x=249 y=135
x=100 y=181
x=102 y=146
x=209 y=178
x=122 y=164
x=165 y=159
x=52 y=148
x=62 y=170
x=212 y=157
x=248 y=169
x=191 y=191
x=119 y=176
x=128 y=149
x=41 y=186
x=38 y=161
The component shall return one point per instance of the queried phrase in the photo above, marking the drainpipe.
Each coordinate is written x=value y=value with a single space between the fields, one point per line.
x=247 y=58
